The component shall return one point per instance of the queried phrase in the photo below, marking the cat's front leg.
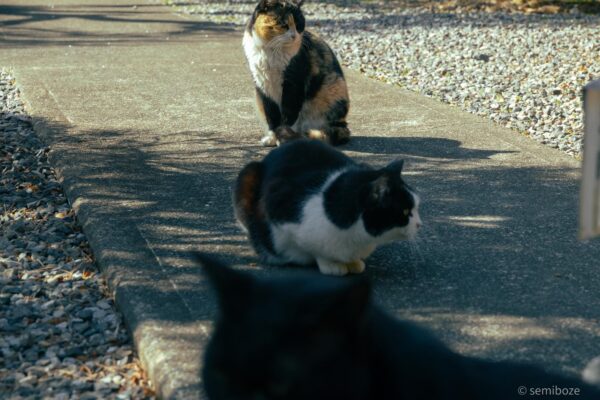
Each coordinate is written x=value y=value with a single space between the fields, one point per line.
x=330 y=267
x=272 y=115
x=293 y=95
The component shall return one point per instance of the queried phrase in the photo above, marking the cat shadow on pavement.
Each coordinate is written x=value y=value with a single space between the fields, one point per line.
x=417 y=147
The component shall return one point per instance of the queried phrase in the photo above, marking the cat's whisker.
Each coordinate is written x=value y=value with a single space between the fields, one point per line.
x=429 y=233
x=415 y=250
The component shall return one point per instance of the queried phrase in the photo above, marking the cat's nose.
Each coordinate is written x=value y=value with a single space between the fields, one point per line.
x=293 y=35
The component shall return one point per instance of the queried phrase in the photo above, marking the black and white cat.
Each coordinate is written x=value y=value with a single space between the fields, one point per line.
x=303 y=336
x=300 y=85
x=307 y=202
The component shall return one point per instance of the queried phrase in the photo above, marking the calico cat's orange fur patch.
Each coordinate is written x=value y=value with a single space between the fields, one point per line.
x=291 y=22
x=267 y=27
x=329 y=94
x=260 y=106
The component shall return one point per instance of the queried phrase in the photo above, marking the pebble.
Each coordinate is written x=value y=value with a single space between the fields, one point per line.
x=55 y=320
x=523 y=71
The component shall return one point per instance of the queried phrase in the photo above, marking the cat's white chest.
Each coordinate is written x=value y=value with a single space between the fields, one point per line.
x=315 y=236
x=267 y=66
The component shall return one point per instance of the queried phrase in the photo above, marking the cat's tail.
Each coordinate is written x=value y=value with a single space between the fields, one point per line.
x=250 y=212
x=336 y=131
x=246 y=194
x=337 y=135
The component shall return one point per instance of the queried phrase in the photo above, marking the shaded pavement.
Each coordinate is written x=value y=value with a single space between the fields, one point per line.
x=150 y=115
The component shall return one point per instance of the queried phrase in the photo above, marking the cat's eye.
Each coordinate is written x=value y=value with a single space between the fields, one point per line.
x=406 y=212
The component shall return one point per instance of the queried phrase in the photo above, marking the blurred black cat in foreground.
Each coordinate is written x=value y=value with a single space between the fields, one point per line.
x=310 y=337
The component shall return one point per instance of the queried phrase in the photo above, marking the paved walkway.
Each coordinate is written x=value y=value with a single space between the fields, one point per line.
x=150 y=115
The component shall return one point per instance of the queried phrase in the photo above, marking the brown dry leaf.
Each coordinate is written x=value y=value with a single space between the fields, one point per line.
x=87 y=275
x=549 y=9
x=30 y=187
x=86 y=370
x=135 y=379
x=60 y=215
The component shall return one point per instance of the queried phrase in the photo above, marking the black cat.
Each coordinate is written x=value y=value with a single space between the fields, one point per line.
x=309 y=337
x=307 y=202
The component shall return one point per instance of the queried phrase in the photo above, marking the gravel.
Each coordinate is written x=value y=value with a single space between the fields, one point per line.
x=60 y=335
x=524 y=71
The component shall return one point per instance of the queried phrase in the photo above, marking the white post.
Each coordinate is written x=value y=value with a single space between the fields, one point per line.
x=589 y=207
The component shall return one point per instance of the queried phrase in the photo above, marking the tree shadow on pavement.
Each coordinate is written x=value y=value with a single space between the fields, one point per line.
x=497 y=270
x=30 y=25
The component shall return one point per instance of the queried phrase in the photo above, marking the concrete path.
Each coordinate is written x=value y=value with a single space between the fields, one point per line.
x=150 y=115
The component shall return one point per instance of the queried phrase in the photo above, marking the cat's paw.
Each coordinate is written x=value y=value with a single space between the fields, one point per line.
x=356 y=267
x=269 y=140
x=591 y=373
x=284 y=134
x=317 y=134
x=328 y=267
x=337 y=136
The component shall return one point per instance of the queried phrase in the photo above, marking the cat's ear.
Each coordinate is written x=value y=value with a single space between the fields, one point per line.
x=298 y=3
x=265 y=4
x=395 y=167
x=379 y=189
x=233 y=287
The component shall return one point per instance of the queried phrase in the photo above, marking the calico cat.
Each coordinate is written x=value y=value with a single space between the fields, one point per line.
x=301 y=336
x=299 y=82
x=307 y=202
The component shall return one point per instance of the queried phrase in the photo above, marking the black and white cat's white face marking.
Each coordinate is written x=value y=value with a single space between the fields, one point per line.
x=392 y=209
x=408 y=231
